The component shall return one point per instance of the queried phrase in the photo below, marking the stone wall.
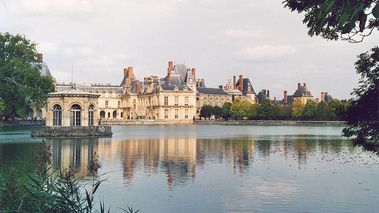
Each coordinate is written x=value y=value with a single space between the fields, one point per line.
x=71 y=132
x=273 y=122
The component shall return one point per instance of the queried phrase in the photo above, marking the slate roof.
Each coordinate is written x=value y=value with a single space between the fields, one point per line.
x=217 y=91
x=261 y=96
x=328 y=98
x=126 y=77
x=302 y=92
x=245 y=87
x=176 y=81
x=42 y=67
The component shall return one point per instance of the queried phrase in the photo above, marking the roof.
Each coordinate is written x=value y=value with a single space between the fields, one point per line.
x=42 y=67
x=73 y=92
x=176 y=82
x=302 y=92
x=217 y=91
x=245 y=89
x=328 y=98
x=261 y=96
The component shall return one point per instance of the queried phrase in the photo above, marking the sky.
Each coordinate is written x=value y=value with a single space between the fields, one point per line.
x=261 y=40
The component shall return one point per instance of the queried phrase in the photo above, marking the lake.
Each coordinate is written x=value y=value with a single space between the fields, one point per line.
x=217 y=168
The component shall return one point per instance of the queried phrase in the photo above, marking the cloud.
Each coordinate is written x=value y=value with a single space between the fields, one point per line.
x=266 y=52
x=240 y=33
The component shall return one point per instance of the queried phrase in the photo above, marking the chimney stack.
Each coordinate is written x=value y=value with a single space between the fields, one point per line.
x=169 y=69
x=268 y=93
x=193 y=73
x=202 y=80
x=234 y=82
x=285 y=97
x=125 y=71
x=274 y=100
x=39 y=57
x=198 y=82
x=220 y=87
x=298 y=86
x=265 y=92
x=241 y=83
x=322 y=96
x=305 y=85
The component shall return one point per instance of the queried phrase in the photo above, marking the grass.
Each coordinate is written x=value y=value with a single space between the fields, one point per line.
x=48 y=190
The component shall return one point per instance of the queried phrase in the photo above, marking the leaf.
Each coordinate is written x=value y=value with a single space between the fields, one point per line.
x=362 y=22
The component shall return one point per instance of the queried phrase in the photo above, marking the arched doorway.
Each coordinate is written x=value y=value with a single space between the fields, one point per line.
x=102 y=114
x=114 y=114
x=75 y=115
x=57 y=115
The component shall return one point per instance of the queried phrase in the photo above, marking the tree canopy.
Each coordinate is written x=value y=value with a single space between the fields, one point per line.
x=351 y=20
x=362 y=114
x=22 y=87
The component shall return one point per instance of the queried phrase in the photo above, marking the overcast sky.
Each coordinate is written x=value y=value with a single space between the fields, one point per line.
x=220 y=38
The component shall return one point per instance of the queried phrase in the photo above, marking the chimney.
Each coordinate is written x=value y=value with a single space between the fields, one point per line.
x=202 y=80
x=225 y=87
x=137 y=86
x=169 y=69
x=285 y=97
x=39 y=57
x=198 y=82
x=234 y=82
x=145 y=78
x=241 y=83
x=125 y=71
x=264 y=91
x=193 y=73
x=298 y=85
x=305 y=85
x=326 y=94
x=220 y=87
x=268 y=93
x=322 y=96
x=130 y=71
x=274 y=100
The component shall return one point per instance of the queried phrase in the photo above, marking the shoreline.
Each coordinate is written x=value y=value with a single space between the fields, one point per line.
x=272 y=122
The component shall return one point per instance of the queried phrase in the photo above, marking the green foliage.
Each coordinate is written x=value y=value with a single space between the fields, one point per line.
x=337 y=109
x=253 y=111
x=217 y=112
x=331 y=18
x=21 y=86
x=309 y=110
x=264 y=111
x=240 y=109
x=362 y=114
x=323 y=112
x=225 y=110
x=285 y=112
x=297 y=108
x=206 y=111
x=2 y=106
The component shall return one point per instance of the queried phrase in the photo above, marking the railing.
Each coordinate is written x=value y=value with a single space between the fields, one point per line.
x=73 y=131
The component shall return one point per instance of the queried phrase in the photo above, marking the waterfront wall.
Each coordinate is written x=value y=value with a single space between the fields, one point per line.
x=143 y=122
x=272 y=122
x=71 y=132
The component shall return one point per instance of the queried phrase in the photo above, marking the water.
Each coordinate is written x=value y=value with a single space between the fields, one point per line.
x=215 y=168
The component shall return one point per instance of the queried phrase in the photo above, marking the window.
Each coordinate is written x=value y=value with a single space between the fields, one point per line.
x=106 y=104
x=166 y=100
x=39 y=113
x=166 y=113
x=102 y=114
x=119 y=104
x=90 y=115
x=176 y=100
x=176 y=113
x=57 y=115
x=75 y=115
x=186 y=101
x=186 y=114
x=114 y=114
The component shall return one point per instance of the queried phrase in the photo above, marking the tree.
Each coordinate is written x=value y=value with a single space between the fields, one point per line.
x=285 y=112
x=264 y=111
x=240 y=109
x=297 y=108
x=217 y=112
x=225 y=110
x=323 y=112
x=22 y=87
x=351 y=20
x=309 y=110
x=253 y=111
x=337 y=109
x=362 y=115
x=206 y=111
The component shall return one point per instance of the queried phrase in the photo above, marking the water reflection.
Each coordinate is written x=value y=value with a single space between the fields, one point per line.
x=179 y=159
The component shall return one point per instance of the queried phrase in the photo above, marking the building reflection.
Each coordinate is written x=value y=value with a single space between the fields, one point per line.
x=73 y=153
x=180 y=159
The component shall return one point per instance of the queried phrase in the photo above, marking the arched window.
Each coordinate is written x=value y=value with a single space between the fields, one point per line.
x=75 y=115
x=57 y=115
x=114 y=114
x=90 y=115
x=102 y=114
